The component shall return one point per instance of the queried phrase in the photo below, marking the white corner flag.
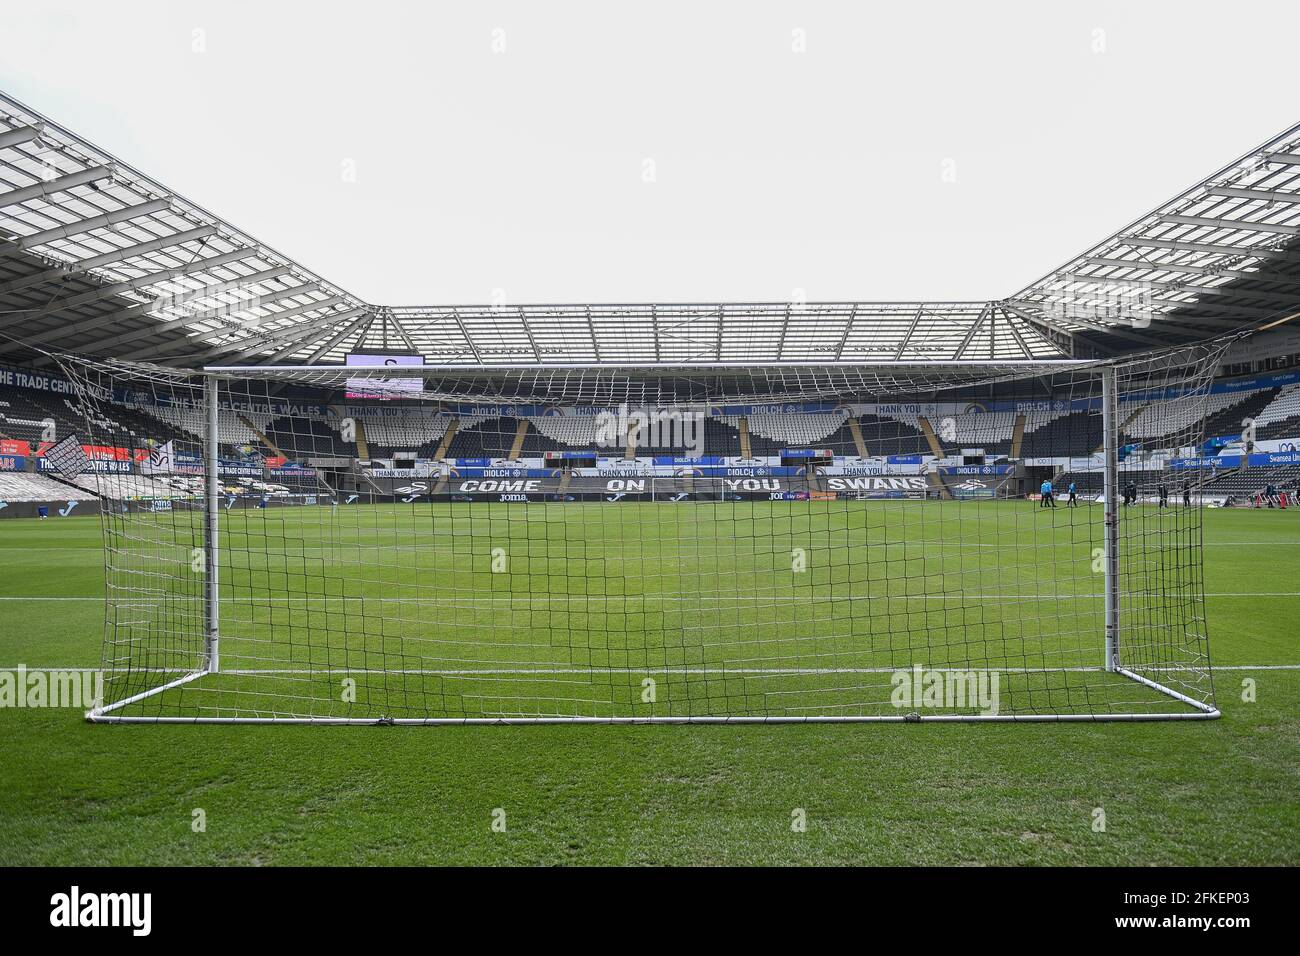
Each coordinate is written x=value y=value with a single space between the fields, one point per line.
x=159 y=461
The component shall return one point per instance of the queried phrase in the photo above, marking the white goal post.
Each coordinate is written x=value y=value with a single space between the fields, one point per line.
x=327 y=545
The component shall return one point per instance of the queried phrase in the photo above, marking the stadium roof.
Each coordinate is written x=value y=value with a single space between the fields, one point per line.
x=98 y=258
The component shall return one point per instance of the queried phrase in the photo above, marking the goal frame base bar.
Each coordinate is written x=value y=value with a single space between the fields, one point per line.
x=105 y=715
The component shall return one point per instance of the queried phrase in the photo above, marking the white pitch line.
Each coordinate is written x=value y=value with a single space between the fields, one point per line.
x=473 y=600
x=598 y=551
x=704 y=670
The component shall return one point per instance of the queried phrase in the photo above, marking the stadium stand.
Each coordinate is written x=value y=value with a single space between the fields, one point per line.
x=647 y=449
x=1086 y=482
x=791 y=431
x=535 y=445
x=1236 y=484
x=482 y=437
x=25 y=414
x=182 y=484
x=889 y=436
x=1244 y=483
x=1280 y=418
x=405 y=432
x=17 y=486
x=21 y=426
x=721 y=439
x=310 y=436
x=575 y=431
x=1230 y=421
x=1054 y=432
x=974 y=428
x=970 y=428
x=841 y=440
x=122 y=486
x=192 y=421
x=1042 y=417
x=1144 y=420
x=1075 y=434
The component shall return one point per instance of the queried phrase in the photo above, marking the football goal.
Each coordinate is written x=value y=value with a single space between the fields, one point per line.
x=380 y=544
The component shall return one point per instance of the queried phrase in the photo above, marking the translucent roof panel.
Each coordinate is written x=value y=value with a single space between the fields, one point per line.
x=97 y=257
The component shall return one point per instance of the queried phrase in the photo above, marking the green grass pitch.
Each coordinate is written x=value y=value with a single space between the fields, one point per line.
x=1222 y=792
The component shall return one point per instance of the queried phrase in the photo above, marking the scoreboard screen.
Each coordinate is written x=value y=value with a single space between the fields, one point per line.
x=384 y=388
x=801 y=457
x=570 y=459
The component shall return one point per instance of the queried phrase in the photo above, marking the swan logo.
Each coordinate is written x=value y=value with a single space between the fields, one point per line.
x=160 y=461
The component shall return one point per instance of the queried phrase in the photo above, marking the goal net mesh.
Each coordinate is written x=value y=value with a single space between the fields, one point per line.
x=766 y=544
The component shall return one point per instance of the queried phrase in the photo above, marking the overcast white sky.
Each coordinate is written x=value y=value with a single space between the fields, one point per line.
x=525 y=169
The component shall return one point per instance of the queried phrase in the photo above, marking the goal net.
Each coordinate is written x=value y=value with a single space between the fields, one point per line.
x=333 y=545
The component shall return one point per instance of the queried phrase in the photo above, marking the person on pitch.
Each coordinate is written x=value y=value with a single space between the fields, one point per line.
x=1045 y=495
